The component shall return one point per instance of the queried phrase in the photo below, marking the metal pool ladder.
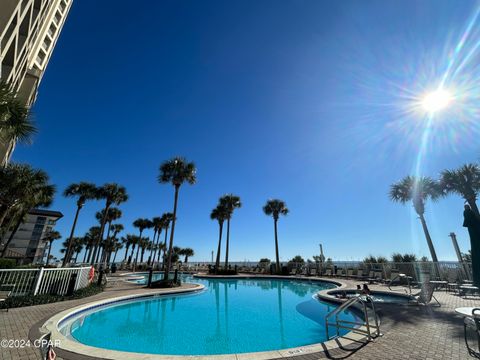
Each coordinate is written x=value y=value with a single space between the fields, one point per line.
x=366 y=327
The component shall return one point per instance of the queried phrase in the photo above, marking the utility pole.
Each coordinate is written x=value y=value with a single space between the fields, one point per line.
x=212 y=256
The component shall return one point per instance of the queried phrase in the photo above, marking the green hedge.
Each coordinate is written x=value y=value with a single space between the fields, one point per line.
x=29 y=300
x=7 y=263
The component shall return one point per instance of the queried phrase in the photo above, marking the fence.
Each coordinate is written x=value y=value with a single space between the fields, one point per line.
x=43 y=281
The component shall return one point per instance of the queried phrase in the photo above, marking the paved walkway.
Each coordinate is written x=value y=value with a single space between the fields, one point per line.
x=410 y=332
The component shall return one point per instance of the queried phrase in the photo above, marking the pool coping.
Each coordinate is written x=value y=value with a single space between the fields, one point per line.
x=68 y=345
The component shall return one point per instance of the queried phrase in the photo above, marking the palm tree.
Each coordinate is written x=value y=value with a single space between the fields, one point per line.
x=83 y=191
x=117 y=245
x=176 y=171
x=16 y=124
x=417 y=190
x=142 y=246
x=167 y=218
x=91 y=239
x=112 y=240
x=126 y=241
x=142 y=224
x=133 y=239
x=230 y=202
x=113 y=214
x=464 y=181
x=36 y=192
x=18 y=184
x=275 y=208
x=50 y=237
x=219 y=214
x=161 y=247
x=113 y=194
x=187 y=252
x=157 y=230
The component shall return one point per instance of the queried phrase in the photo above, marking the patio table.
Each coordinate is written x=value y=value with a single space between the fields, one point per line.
x=465 y=311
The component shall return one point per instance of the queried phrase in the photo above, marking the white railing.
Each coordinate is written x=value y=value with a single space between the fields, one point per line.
x=43 y=281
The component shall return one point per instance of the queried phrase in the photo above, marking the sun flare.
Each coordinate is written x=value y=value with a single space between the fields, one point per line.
x=437 y=100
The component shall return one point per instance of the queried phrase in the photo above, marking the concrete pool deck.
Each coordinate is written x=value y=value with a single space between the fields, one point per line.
x=413 y=332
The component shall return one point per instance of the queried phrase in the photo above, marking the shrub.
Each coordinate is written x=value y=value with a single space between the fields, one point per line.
x=7 y=263
x=29 y=300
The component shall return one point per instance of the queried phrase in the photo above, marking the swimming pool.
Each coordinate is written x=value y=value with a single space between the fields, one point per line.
x=230 y=316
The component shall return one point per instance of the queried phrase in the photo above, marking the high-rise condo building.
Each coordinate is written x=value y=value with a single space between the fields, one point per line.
x=29 y=30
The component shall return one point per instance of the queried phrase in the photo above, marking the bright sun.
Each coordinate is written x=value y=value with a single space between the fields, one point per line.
x=436 y=100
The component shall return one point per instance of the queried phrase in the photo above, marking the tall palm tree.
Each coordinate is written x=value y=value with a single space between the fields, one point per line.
x=116 y=246
x=91 y=239
x=16 y=124
x=275 y=208
x=464 y=181
x=112 y=240
x=176 y=171
x=113 y=194
x=126 y=241
x=133 y=239
x=161 y=247
x=230 y=202
x=82 y=191
x=418 y=191
x=50 y=237
x=142 y=224
x=220 y=214
x=187 y=252
x=113 y=214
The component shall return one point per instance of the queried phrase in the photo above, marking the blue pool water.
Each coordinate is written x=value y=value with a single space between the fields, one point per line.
x=230 y=316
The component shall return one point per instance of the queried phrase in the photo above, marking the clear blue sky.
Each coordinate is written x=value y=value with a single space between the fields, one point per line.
x=300 y=100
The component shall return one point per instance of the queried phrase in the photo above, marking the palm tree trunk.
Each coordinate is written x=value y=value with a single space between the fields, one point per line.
x=164 y=249
x=153 y=251
x=217 y=262
x=85 y=255
x=172 y=232
x=136 y=255
x=473 y=206
x=277 y=257
x=90 y=250
x=114 y=256
x=102 y=229
x=76 y=256
x=49 y=250
x=141 y=255
x=131 y=255
x=429 y=239
x=107 y=244
x=126 y=253
x=14 y=231
x=66 y=258
x=228 y=243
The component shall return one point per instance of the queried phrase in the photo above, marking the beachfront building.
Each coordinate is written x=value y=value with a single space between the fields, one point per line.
x=29 y=30
x=28 y=244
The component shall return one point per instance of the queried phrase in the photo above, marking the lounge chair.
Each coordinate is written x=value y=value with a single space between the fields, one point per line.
x=359 y=275
x=4 y=295
x=472 y=325
x=293 y=271
x=328 y=272
x=394 y=276
x=313 y=272
x=425 y=295
x=349 y=273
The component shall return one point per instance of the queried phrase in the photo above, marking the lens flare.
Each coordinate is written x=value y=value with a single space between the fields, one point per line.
x=436 y=100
